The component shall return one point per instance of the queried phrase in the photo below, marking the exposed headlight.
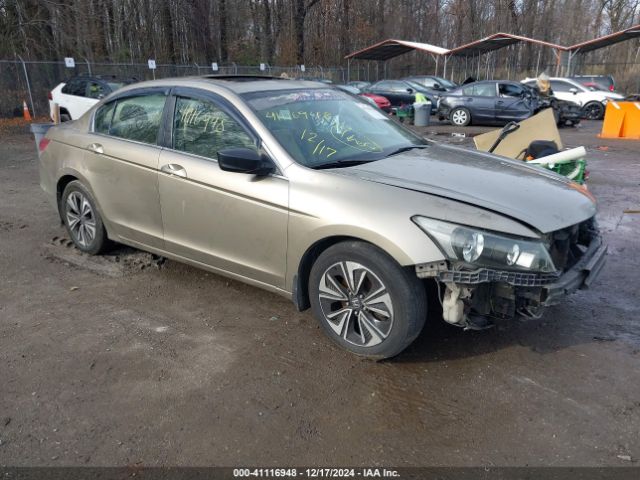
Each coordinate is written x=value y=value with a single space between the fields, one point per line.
x=486 y=249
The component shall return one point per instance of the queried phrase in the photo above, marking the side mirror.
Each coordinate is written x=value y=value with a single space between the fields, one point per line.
x=244 y=160
x=573 y=90
x=410 y=90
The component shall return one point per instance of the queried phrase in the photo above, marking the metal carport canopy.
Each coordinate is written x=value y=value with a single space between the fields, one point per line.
x=496 y=42
x=391 y=48
x=605 y=41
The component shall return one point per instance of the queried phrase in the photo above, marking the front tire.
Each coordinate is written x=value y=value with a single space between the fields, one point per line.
x=593 y=111
x=460 y=117
x=82 y=220
x=365 y=301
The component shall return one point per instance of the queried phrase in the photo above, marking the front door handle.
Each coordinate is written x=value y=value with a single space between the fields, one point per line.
x=174 y=169
x=96 y=148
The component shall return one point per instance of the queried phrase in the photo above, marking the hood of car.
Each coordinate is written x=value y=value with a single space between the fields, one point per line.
x=531 y=195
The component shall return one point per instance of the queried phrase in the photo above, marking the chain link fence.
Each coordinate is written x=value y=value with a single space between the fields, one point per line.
x=31 y=81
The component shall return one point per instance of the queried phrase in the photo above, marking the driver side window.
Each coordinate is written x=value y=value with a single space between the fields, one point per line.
x=510 y=90
x=201 y=128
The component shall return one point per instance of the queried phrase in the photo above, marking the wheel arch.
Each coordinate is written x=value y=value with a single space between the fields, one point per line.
x=300 y=287
x=68 y=176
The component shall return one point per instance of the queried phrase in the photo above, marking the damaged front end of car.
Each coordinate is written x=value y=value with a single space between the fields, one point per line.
x=492 y=275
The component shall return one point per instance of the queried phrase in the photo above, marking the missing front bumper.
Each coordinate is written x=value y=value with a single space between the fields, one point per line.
x=581 y=275
x=505 y=294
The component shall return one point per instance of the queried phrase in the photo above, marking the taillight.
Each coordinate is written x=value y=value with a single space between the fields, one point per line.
x=611 y=88
x=49 y=96
x=44 y=143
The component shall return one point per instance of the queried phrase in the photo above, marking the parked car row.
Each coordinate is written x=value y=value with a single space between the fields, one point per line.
x=492 y=101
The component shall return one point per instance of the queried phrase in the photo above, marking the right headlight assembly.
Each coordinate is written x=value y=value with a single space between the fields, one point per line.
x=486 y=249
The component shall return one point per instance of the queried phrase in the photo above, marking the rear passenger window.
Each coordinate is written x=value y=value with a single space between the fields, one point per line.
x=480 y=90
x=75 y=87
x=201 y=128
x=138 y=118
x=103 y=117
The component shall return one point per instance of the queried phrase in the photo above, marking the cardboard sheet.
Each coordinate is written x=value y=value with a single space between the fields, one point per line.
x=541 y=126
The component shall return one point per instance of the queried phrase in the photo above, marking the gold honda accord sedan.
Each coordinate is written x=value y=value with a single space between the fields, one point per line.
x=315 y=194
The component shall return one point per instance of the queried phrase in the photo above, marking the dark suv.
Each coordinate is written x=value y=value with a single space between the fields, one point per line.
x=604 y=81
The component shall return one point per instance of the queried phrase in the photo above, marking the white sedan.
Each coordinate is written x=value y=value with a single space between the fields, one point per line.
x=592 y=102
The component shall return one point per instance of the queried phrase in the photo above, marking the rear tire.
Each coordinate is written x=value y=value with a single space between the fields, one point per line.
x=65 y=117
x=82 y=220
x=460 y=117
x=365 y=301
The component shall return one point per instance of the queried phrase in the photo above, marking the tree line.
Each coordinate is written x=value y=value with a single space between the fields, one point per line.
x=291 y=32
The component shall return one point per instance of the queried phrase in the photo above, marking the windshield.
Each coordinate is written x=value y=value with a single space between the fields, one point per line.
x=328 y=127
x=445 y=83
x=115 y=85
x=415 y=85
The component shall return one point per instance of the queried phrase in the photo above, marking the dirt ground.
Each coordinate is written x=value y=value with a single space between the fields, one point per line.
x=169 y=365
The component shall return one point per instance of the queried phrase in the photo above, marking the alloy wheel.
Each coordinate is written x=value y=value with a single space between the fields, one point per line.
x=593 y=111
x=356 y=304
x=80 y=219
x=459 y=117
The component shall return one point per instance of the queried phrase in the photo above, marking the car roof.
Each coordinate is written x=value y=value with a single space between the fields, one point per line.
x=238 y=84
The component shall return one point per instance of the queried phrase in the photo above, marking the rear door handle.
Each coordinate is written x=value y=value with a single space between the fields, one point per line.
x=96 y=148
x=174 y=169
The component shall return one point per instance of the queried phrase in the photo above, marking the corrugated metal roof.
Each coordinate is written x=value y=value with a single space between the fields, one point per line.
x=606 y=40
x=495 y=42
x=392 y=48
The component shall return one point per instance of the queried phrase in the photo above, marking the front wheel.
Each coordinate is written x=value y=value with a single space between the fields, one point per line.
x=365 y=301
x=593 y=111
x=460 y=117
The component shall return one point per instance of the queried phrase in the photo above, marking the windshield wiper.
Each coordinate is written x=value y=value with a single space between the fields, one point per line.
x=340 y=163
x=406 y=149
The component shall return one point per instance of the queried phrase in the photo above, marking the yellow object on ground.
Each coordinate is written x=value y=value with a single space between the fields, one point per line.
x=621 y=120
x=542 y=126
x=421 y=98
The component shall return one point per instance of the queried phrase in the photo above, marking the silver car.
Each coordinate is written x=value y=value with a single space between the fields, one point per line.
x=309 y=192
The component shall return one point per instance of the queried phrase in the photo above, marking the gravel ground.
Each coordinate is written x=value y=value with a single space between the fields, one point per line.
x=163 y=364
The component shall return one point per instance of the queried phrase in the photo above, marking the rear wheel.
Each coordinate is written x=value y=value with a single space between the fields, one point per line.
x=593 y=111
x=82 y=220
x=460 y=117
x=365 y=301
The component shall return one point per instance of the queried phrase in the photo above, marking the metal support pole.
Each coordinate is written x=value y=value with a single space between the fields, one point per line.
x=348 y=70
x=88 y=65
x=437 y=58
x=444 y=72
x=26 y=76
